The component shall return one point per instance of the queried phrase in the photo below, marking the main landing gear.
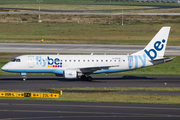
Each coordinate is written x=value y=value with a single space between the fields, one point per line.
x=88 y=78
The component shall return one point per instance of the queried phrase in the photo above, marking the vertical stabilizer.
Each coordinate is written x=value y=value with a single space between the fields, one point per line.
x=156 y=47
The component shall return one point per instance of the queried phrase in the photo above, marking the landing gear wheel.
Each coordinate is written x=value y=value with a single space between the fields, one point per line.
x=83 y=77
x=89 y=78
x=24 y=77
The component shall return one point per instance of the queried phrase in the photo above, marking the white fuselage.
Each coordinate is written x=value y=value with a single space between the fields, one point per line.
x=58 y=63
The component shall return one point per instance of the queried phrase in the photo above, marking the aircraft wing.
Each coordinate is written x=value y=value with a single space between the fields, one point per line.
x=95 y=68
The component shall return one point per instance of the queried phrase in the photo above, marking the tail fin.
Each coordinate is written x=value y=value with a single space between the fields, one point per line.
x=156 y=47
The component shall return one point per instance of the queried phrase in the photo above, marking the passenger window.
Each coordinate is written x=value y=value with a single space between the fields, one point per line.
x=65 y=60
x=88 y=60
x=83 y=60
x=78 y=60
x=74 y=60
x=106 y=60
x=92 y=60
x=114 y=60
x=96 y=60
x=69 y=60
x=101 y=60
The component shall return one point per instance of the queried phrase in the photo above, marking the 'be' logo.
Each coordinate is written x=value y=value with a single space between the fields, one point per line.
x=157 y=47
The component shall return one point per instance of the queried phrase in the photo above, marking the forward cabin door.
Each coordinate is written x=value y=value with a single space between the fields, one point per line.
x=31 y=61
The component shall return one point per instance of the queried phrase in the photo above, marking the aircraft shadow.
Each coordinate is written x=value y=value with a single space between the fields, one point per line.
x=95 y=79
x=124 y=78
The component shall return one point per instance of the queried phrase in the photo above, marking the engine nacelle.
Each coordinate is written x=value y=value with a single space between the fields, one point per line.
x=70 y=74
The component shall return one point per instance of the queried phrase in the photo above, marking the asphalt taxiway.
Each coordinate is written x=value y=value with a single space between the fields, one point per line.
x=95 y=12
x=36 y=82
x=78 y=48
x=42 y=110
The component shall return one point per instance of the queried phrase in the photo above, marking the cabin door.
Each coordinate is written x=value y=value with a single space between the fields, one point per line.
x=30 y=61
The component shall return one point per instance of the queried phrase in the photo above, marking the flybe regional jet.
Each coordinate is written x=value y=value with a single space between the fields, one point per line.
x=75 y=66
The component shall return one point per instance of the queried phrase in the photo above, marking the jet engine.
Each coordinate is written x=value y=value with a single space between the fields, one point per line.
x=70 y=74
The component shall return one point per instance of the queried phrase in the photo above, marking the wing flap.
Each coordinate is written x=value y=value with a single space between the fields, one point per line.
x=95 y=68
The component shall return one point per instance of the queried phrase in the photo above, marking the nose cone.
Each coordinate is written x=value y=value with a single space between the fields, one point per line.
x=4 y=68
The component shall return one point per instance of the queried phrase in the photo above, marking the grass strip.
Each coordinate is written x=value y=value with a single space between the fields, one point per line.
x=93 y=29
x=111 y=98
x=170 y=89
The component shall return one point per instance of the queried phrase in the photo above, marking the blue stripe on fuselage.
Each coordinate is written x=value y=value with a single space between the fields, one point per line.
x=56 y=71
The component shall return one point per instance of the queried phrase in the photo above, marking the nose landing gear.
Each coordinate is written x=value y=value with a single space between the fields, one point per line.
x=24 y=76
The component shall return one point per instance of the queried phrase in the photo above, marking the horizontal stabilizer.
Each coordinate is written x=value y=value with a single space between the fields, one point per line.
x=166 y=59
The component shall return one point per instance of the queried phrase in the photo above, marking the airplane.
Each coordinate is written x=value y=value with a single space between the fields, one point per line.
x=81 y=66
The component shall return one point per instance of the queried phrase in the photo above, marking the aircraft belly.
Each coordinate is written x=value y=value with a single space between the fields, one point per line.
x=57 y=71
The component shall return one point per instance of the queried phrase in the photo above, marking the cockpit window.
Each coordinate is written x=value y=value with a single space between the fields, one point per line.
x=16 y=60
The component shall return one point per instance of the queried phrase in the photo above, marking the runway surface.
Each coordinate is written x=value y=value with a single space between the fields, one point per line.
x=78 y=48
x=34 y=83
x=42 y=110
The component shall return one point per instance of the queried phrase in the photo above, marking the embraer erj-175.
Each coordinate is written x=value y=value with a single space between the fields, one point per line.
x=74 y=66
